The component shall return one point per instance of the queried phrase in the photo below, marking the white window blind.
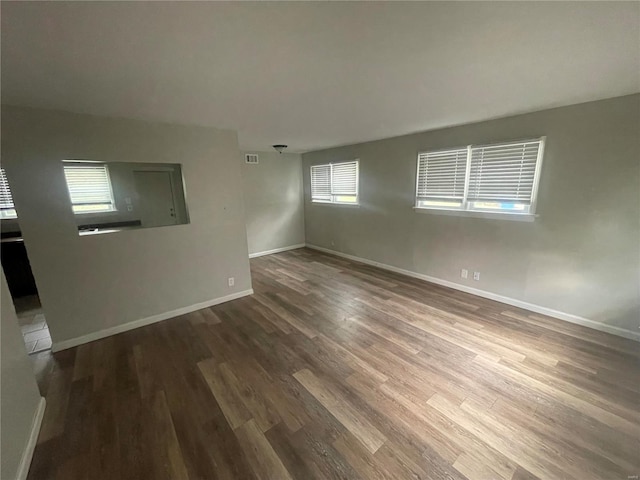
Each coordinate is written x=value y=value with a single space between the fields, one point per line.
x=321 y=183
x=441 y=177
x=7 y=208
x=335 y=182
x=491 y=178
x=89 y=188
x=503 y=172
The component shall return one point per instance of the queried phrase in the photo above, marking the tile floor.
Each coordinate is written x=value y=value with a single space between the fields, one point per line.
x=33 y=324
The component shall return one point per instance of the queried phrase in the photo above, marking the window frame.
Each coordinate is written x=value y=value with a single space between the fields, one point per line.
x=333 y=200
x=465 y=209
x=96 y=164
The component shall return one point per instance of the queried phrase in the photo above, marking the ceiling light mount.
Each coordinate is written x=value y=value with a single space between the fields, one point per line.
x=279 y=148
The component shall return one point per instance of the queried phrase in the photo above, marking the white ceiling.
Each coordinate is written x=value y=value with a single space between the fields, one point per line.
x=315 y=75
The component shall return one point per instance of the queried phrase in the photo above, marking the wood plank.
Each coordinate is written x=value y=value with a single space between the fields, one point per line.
x=339 y=407
x=261 y=456
x=227 y=394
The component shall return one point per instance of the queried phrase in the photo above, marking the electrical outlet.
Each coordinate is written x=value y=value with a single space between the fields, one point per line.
x=476 y=275
x=464 y=273
x=232 y=281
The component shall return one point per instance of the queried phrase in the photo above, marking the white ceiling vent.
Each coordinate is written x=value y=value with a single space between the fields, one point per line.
x=251 y=158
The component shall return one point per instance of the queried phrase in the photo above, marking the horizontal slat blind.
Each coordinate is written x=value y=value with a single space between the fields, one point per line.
x=88 y=184
x=503 y=172
x=321 y=181
x=441 y=175
x=344 y=178
x=6 y=200
x=335 y=182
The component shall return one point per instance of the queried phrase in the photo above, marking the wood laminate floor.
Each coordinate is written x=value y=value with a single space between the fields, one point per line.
x=335 y=369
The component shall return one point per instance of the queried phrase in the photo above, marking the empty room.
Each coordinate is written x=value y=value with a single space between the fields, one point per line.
x=320 y=240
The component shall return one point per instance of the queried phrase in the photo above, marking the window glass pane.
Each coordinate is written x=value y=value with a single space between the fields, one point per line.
x=504 y=206
x=93 y=208
x=439 y=203
x=8 y=213
x=345 y=198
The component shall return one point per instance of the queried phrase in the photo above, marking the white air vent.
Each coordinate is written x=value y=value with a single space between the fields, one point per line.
x=251 y=158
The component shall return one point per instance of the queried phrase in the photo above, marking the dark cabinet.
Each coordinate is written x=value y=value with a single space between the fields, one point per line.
x=17 y=269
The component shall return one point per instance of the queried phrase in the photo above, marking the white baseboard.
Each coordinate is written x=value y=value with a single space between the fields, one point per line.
x=568 y=317
x=276 y=250
x=107 y=332
x=27 y=455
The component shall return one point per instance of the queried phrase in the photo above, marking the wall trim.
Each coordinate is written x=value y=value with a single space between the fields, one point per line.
x=568 y=317
x=27 y=455
x=276 y=250
x=107 y=332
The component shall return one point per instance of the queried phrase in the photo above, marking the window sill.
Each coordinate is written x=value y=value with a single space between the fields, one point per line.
x=513 y=217
x=351 y=205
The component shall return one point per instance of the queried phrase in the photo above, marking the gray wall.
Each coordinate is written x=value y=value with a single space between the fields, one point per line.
x=96 y=282
x=20 y=396
x=273 y=201
x=581 y=254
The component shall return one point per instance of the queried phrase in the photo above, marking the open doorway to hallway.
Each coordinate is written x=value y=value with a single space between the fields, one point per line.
x=33 y=323
x=17 y=270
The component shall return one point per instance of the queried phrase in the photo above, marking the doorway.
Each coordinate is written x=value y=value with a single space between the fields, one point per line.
x=17 y=271
x=156 y=198
x=22 y=286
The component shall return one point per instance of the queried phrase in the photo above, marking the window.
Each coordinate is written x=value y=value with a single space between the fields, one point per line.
x=441 y=178
x=335 y=183
x=89 y=188
x=499 y=178
x=7 y=209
